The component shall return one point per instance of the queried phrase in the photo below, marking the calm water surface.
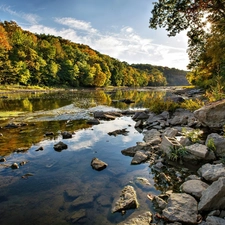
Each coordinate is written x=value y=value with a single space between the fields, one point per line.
x=59 y=187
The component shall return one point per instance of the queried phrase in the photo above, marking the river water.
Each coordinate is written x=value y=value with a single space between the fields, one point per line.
x=61 y=187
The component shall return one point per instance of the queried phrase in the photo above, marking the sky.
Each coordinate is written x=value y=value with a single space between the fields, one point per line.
x=118 y=28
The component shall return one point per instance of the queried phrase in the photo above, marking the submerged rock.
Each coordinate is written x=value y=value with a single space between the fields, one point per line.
x=143 y=219
x=127 y=200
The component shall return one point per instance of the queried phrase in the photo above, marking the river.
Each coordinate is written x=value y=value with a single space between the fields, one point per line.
x=61 y=187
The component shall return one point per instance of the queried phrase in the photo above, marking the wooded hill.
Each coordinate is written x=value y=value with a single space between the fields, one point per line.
x=45 y=60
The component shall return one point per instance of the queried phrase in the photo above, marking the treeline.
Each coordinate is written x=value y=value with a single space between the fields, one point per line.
x=46 y=60
x=171 y=76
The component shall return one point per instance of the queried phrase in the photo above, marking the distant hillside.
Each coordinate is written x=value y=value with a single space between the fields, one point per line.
x=174 y=77
x=46 y=60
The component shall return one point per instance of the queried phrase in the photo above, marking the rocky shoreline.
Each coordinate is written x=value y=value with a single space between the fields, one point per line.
x=191 y=138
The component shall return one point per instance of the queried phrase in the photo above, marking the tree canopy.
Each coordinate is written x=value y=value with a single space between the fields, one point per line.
x=47 y=60
x=204 y=21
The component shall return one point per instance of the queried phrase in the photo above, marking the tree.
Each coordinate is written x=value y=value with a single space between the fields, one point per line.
x=179 y=15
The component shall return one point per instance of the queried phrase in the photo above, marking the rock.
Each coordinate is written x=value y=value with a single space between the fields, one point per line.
x=219 y=143
x=194 y=187
x=3 y=159
x=15 y=166
x=39 y=149
x=212 y=172
x=139 y=123
x=60 y=146
x=140 y=116
x=182 y=208
x=93 y=121
x=97 y=164
x=170 y=132
x=12 y=125
x=22 y=149
x=49 y=134
x=198 y=150
x=106 y=115
x=139 y=157
x=212 y=115
x=66 y=135
x=159 y=203
x=213 y=197
x=152 y=137
x=143 y=182
x=141 y=146
x=117 y=132
x=169 y=143
x=143 y=219
x=127 y=101
x=127 y=200
x=78 y=215
x=214 y=220
x=82 y=200
x=179 y=120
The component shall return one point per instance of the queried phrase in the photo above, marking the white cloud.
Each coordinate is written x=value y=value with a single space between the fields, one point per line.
x=76 y=24
x=29 y=17
x=124 y=45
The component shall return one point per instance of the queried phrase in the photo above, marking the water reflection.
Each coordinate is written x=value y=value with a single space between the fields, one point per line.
x=59 y=187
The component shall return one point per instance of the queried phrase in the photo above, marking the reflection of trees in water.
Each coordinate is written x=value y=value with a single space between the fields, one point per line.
x=169 y=178
x=34 y=133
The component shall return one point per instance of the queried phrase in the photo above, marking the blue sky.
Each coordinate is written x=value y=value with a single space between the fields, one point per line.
x=118 y=28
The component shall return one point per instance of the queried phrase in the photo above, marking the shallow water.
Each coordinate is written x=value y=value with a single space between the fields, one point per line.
x=53 y=187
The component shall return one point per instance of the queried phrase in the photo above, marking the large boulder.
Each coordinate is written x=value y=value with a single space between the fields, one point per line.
x=194 y=187
x=212 y=172
x=213 y=197
x=212 y=115
x=181 y=207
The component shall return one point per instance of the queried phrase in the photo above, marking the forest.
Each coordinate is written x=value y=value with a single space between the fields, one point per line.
x=45 y=60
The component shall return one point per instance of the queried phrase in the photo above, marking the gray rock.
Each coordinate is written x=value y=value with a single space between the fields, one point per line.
x=194 y=187
x=170 y=132
x=139 y=157
x=211 y=172
x=182 y=208
x=141 y=146
x=219 y=142
x=214 y=220
x=212 y=115
x=213 y=197
x=168 y=143
x=97 y=164
x=143 y=219
x=152 y=137
x=198 y=150
x=93 y=121
x=127 y=200
x=159 y=203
